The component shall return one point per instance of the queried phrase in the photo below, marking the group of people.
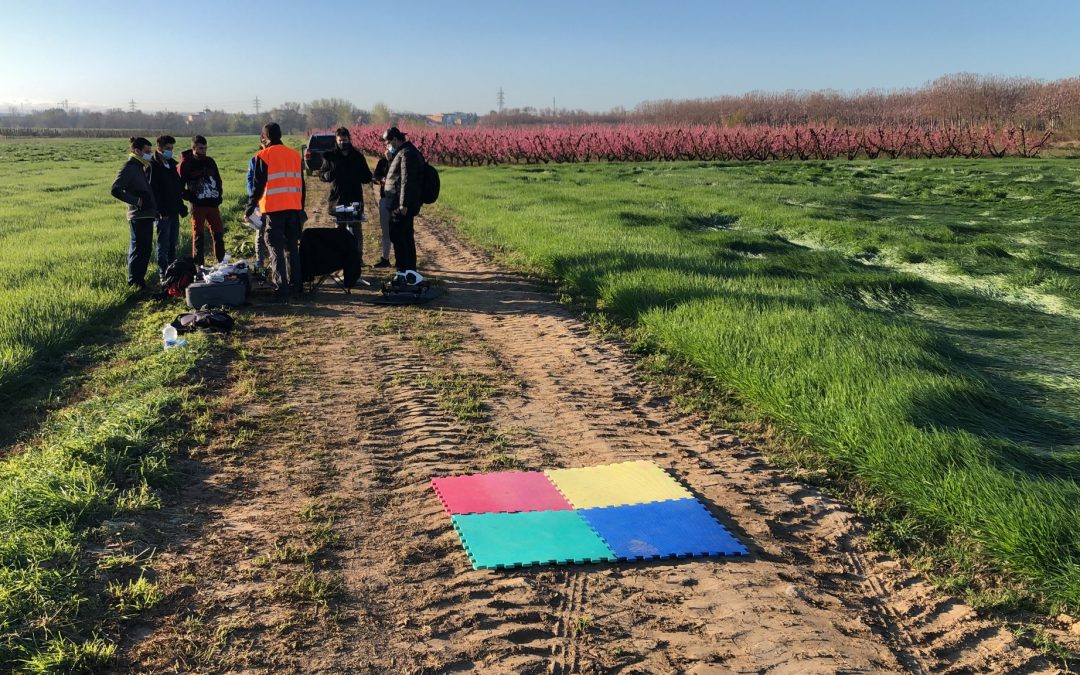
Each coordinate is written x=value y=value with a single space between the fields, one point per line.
x=155 y=187
x=398 y=174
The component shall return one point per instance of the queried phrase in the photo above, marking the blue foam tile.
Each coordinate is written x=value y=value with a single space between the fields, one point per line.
x=669 y=529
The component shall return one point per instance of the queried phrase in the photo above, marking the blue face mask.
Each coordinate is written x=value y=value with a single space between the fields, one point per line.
x=391 y=149
x=167 y=154
x=147 y=156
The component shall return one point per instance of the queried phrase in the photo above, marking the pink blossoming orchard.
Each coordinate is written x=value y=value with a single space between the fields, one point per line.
x=640 y=143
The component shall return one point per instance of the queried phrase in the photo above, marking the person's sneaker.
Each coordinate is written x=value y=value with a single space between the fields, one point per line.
x=383 y=263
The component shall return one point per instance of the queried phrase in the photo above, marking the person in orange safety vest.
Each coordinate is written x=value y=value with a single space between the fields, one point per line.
x=278 y=192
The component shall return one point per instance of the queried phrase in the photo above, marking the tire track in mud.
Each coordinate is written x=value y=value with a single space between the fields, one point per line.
x=582 y=400
x=448 y=616
x=371 y=425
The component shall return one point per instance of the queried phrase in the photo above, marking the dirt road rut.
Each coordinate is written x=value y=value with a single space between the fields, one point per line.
x=315 y=544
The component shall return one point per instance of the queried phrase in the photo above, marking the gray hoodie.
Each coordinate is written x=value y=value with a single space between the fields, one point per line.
x=133 y=183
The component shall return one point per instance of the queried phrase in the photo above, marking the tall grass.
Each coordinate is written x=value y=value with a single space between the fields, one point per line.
x=955 y=401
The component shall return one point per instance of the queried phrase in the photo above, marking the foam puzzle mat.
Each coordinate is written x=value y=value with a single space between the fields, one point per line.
x=681 y=528
x=616 y=484
x=495 y=540
x=625 y=511
x=505 y=491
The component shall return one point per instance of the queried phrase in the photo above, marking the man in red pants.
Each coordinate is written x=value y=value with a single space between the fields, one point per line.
x=202 y=187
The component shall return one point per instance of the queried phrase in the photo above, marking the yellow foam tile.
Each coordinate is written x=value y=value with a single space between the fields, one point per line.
x=616 y=485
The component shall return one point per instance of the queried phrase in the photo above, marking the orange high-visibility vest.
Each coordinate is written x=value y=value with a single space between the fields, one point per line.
x=284 y=179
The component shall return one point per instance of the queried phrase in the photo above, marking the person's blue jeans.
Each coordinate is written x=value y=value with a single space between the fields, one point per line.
x=168 y=231
x=385 y=207
x=142 y=237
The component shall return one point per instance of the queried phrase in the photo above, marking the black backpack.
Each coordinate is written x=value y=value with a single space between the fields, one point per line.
x=178 y=276
x=430 y=192
x=213 y=321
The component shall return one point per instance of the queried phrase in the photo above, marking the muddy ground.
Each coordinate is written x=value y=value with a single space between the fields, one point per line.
x=308 y=539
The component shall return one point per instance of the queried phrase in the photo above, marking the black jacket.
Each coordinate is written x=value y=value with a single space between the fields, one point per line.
x=258 y=185
x=405 y=178
x=165 y=182
x=132 y=184
x=348 y=173
x=201 y=180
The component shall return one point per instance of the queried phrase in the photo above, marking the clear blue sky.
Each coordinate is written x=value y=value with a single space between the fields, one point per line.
x=426 y=56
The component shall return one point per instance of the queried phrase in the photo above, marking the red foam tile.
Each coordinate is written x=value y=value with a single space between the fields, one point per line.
x=500 y=492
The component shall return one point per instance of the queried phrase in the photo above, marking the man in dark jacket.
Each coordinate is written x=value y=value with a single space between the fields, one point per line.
x=170 y=205
x=347 y=171
x=132 y=186
x=404 y=186
x=202 y=187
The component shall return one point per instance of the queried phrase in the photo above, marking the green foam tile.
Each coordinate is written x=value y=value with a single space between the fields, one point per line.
x=498 y=540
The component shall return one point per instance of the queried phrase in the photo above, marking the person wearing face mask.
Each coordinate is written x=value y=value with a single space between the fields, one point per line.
x=202 y=187
x=170 y=204
x=132 y=186
x=403 y=190
x=346 y=169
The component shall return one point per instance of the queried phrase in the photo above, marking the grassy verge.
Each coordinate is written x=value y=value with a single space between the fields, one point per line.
x=956 y=405
x=63 y=248
x=66 y=580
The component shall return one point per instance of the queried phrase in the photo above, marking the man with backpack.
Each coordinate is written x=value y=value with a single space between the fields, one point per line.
x=202 y=187
x=404 y=188
x=165 y=181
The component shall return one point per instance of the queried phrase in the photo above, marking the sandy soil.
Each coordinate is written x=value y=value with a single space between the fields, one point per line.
x=309 y=540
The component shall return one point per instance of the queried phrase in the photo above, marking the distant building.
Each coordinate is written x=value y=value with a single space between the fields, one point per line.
x=454 y=119
x=197 y=118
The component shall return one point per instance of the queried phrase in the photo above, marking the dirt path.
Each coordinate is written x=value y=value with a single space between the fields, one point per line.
x=312 y=542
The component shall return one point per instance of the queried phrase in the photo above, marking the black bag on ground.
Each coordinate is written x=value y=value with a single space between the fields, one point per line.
x=430 y=193
x=214 y=321
x=178 y=276
x=325 y=250
x=231 y=293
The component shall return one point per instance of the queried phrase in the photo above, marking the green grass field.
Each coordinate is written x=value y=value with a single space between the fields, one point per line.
x=67 y=325
x=63 y=248
x=915 y=321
